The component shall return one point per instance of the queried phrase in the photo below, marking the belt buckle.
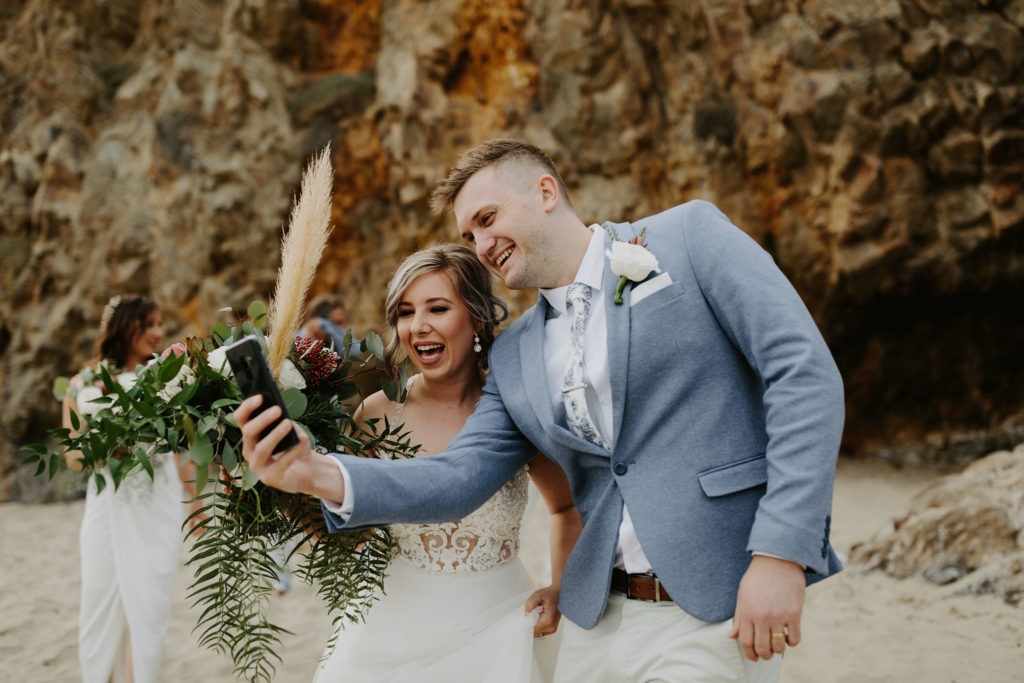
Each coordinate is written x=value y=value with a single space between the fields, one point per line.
x=657 y=587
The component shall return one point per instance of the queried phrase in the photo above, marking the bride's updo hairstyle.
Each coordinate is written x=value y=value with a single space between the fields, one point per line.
x=472 y=282
x=123 y=318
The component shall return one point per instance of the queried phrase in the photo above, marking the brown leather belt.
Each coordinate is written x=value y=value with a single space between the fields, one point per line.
x=644 y=587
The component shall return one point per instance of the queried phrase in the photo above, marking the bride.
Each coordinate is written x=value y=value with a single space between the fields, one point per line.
x=457 y=603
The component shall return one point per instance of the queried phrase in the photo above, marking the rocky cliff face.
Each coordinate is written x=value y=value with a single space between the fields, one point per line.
x=874 y=148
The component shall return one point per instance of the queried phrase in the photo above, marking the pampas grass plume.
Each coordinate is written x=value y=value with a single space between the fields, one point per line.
x=301 y=249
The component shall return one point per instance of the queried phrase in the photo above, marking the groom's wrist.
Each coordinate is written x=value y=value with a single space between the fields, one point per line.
x=328 y=483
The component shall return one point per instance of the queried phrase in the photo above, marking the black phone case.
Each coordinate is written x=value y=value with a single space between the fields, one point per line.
x=253 y=377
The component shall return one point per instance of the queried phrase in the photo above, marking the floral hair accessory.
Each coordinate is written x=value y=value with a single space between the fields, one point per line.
x=108 y=311
x=631 y=261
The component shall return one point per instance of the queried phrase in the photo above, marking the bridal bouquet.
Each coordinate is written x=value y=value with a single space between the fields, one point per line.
x=182 y=403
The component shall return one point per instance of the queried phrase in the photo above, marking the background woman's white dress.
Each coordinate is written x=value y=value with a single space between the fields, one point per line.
x=130 y=542
x=453 y=608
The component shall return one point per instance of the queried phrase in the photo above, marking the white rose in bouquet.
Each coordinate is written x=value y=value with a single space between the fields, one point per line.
x=218 y=360
x=184 y=377
x=290 y=377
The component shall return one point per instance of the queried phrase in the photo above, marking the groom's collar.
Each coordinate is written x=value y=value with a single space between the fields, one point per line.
x=590 y=272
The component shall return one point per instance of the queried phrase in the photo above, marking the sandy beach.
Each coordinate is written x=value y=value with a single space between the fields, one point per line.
x=857 y=627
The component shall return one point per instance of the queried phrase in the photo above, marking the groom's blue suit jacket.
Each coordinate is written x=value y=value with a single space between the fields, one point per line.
x=728 y=411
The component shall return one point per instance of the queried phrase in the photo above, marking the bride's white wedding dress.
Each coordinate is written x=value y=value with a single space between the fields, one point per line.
x=453 y=607
x=130 y=543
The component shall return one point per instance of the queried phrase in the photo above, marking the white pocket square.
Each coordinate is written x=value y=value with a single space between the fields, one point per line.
x=645 y=289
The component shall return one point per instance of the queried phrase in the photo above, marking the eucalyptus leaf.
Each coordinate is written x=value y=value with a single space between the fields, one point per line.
x=295 y=402
x=202 y=476
x=248 y=478
x=228 y=459
x=207 y=423
x=221 y=331
x=256 y=310
x=60 y=387
x=374 y=344
x=189 y=427
x=390 y=389
x=201 y=450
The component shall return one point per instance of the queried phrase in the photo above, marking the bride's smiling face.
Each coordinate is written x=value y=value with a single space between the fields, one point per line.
x=435 y=327
x=147 y=340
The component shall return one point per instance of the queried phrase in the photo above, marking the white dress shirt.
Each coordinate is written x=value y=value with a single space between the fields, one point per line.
x=628 y=554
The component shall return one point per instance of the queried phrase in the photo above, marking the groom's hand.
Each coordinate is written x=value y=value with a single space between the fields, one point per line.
x=768 y=607
x=297 y=470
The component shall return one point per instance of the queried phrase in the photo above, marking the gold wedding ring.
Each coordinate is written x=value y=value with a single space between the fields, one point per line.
x=778 y=635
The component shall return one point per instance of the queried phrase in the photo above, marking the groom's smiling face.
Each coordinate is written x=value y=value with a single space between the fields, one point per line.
x=502 y=210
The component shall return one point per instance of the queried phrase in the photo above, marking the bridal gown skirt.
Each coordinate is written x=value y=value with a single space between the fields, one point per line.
x=130 y=543
x=433 y=627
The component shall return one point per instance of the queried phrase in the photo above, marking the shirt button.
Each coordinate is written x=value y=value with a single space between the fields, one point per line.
x=620 y=468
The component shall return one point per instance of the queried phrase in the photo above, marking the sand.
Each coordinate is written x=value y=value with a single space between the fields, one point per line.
x=857 y=627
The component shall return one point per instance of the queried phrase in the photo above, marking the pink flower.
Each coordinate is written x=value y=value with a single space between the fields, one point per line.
x=177 y=349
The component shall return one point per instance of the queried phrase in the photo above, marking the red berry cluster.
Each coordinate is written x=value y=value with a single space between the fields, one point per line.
x=316 y=361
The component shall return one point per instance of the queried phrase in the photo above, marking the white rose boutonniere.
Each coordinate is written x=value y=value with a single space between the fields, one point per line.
x=631 y=261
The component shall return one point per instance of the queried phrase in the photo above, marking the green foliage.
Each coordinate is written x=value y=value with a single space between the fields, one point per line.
x=182 y=405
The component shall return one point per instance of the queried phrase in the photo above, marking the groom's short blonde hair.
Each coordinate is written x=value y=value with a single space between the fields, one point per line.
x=499 y=151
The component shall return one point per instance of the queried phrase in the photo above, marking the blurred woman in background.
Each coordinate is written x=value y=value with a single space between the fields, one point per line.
x=130 y=537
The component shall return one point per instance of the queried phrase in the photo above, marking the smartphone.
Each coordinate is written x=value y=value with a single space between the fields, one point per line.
x=253 y=377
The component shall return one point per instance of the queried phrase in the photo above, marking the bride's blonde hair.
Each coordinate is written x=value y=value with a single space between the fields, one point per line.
x=472 y=282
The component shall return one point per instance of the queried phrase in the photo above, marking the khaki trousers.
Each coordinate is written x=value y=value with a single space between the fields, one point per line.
x=645 y=642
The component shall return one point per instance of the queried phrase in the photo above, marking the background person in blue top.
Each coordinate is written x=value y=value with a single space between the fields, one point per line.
x=328 y=322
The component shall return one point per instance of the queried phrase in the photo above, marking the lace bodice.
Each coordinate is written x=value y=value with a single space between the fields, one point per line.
x=486 y=538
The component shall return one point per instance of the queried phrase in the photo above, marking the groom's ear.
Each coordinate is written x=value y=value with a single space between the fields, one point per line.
x=547 y=186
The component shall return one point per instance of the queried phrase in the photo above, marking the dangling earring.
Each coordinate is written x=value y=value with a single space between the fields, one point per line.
x=476 y=343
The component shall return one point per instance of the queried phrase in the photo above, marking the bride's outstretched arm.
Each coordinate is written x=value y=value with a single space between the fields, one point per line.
x=565 y=526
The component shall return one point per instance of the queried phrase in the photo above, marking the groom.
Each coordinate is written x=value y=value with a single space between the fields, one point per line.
x=698 y=422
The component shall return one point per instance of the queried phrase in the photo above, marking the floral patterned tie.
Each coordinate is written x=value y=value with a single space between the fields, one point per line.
x=573 y=388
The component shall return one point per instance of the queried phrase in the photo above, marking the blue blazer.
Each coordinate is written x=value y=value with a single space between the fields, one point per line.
x=728 y=412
